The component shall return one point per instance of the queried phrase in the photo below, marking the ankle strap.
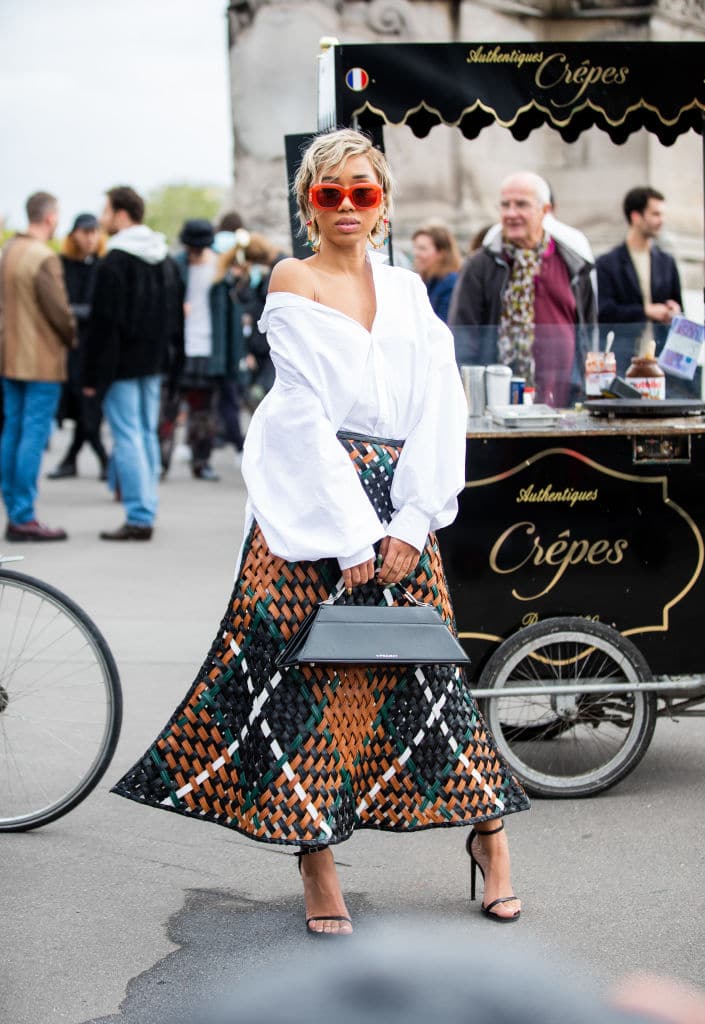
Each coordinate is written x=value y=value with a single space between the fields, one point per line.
x=306 y=850
x=490 y=831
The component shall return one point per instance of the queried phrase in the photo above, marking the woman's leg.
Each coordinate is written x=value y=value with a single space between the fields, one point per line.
x=90 y=420
x=322 y=894
x=491 y=851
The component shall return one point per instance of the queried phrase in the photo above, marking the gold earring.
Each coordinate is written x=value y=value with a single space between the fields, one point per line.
x=314 y=241
x=378 y=235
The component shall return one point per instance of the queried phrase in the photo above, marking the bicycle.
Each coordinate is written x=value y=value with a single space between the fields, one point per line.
x=60 y=702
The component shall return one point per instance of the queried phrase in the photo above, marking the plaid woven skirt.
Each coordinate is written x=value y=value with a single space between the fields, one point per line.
x=307 y=755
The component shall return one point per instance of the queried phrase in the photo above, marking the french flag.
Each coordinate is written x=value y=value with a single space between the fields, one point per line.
x=357 y=79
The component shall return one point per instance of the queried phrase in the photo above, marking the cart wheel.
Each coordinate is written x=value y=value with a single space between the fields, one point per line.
x=572 y=744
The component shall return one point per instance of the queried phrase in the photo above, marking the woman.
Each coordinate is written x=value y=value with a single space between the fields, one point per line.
x=80 y=252
x=304 y=756
x=437 y=260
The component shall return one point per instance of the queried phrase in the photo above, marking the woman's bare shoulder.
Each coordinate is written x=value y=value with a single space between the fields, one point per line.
x=292 y=275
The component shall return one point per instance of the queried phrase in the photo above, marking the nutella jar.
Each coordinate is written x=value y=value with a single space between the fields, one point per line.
x=646 y=375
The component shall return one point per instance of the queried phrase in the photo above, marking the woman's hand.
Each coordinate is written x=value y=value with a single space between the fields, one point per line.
x=398 y=559
x=357 y=574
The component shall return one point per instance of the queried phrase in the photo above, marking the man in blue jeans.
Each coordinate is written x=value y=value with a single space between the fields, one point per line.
x=134 y=336
x=36 y=330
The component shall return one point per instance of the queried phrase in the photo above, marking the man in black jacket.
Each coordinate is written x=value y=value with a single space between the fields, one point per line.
x=135 y=335
x=638 y=287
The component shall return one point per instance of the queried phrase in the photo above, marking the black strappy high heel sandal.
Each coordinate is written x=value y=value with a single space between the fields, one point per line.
x=474 y=865
x=326 y=917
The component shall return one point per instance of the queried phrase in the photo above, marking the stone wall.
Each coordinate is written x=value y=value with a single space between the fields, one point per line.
x=273 y=48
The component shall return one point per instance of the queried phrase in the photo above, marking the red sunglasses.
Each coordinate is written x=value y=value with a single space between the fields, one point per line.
x=365 y=196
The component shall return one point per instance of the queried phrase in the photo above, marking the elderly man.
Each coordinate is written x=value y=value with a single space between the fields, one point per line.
x=525 y=298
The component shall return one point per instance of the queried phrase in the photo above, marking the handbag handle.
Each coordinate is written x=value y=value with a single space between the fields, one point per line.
x=335 y=594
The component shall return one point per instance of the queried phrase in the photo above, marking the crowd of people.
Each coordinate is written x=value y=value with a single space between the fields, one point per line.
x=116 y=326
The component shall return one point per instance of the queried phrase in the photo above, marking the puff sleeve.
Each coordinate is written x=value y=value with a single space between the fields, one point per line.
x=303 y=489
x=431 y=469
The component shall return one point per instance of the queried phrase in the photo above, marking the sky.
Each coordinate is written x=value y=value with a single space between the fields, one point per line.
x=95 y=93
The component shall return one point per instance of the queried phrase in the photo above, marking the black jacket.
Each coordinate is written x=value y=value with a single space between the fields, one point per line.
x=79 y=276
x=621 y=304
x=619 y=294
x=476 y=304
x=136 y=327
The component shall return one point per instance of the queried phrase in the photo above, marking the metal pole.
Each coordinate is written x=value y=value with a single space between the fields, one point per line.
x=694 y=685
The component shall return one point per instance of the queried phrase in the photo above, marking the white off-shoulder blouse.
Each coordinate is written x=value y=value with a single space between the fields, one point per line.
x=397 y=381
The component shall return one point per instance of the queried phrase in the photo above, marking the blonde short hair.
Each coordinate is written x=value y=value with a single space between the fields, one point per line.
x=330 y=151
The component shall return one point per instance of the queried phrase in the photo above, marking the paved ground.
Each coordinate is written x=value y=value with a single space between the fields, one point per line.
x=123 y=915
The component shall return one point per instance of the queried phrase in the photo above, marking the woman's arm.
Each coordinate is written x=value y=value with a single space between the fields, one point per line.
x=431 y=468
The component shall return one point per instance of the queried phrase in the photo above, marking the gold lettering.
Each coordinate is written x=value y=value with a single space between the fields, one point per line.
x=579 y=75
x=546 y=494
x=556 y=69
x=530 y=528
x=616 y=556
x=497 y=56
x=540 y=77
x=578 y=550
x=555 y=550
x=561 y=554
x=598 y=552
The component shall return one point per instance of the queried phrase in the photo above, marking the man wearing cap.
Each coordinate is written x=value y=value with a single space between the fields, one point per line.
x=200 y=374
x=36 y=331
x=135 y=334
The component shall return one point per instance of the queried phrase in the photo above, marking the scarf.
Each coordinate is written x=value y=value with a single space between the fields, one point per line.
x=516 y=324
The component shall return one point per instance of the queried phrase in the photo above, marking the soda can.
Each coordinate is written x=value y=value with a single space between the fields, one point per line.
x=516 y=390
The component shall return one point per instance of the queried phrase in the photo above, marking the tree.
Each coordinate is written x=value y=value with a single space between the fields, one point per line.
x=169 y=206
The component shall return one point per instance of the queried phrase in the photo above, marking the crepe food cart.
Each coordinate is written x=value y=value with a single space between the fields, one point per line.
x=576 y=560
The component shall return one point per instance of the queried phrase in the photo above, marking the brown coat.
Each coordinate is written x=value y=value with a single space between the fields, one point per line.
x=36 y=323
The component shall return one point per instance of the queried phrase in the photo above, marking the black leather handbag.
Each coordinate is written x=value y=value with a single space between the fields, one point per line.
x=334 y=634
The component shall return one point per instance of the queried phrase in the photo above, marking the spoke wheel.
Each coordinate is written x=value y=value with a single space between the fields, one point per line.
x=60 y=703
x=574 y=744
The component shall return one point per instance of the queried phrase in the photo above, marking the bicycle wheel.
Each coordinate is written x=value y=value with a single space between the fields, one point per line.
x=60 y=703
x=572 y=744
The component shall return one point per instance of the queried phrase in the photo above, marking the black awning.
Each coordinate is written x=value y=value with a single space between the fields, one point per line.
x=617 y=87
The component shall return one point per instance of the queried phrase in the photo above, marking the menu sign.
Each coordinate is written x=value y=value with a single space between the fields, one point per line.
x=560 y=533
